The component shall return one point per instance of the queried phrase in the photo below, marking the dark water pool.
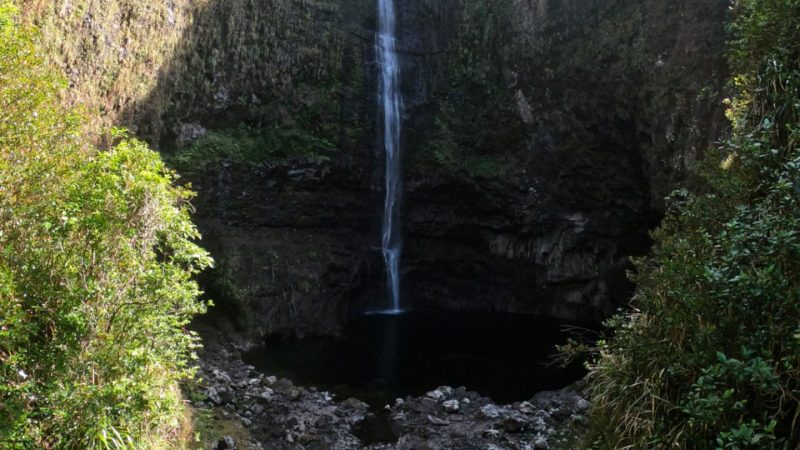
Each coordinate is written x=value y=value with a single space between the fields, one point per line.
x=382 y=357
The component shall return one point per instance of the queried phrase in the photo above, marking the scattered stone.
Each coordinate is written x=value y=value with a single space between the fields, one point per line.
x=490 y=411
x=427 y=404
x=451 y=406
x=354 y=403
x=437 y=421
x=445 y=390
x=513 y=424
x=225 y=443
x=221 y=376
x=435 y=395
x=293 y=394
x=282 y=385
x=225 y=397
x=266 y=394
x=526 y=408
x=212 y=395
x=492 y=433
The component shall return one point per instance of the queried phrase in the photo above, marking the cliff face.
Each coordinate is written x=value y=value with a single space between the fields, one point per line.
x=540 y=139
x=163 y=67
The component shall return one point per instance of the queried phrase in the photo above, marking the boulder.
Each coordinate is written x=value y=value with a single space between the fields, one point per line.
x=225 y=443
x=451 y=406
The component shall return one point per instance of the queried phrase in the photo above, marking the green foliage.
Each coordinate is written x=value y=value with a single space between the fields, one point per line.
x=96 y=266
x=248 y=145
x=710 y=357
x=477 y=128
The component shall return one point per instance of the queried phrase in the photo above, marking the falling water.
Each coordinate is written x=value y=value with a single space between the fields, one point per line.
x=391 y=103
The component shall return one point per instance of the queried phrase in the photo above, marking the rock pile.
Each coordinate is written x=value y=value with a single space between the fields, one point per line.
x=459 y=419
x=277 y=413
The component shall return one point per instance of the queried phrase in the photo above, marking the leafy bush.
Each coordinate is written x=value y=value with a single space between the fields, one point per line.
x=96 y=261
x=710 y=356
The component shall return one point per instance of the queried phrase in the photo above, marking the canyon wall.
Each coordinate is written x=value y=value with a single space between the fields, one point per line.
x=541 y=137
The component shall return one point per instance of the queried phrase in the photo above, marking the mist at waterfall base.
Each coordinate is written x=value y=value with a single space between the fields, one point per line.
x=382 y=357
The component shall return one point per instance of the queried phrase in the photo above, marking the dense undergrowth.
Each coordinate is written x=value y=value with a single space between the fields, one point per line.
x=96 y=260
x=709 y=358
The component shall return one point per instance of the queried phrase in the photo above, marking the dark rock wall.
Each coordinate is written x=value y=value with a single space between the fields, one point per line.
x=293 y=241
x=540 y=138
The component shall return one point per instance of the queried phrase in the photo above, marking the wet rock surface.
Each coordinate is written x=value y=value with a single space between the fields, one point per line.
x=281 y=415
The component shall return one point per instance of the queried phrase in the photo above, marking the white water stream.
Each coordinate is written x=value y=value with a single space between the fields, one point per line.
x=391 y=104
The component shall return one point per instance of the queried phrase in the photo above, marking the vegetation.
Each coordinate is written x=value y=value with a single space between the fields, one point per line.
x=476 y=128
x=96 y=261
x=154 y=65
x=710 y=356
x=246 y=145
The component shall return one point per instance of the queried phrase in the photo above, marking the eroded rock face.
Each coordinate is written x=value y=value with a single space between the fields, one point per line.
x=503 y=247
x=291 y=239
x=540 y=139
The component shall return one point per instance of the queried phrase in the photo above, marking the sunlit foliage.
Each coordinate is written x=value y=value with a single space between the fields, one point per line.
x=96 y=260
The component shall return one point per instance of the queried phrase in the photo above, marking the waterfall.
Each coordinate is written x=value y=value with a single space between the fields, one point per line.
x=391 y=104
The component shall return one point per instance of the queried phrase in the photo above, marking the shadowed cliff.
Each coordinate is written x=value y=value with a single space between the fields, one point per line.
x=540 y=139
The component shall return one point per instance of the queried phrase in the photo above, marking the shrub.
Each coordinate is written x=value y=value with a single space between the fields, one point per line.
x=710 y=356
x=96 y=260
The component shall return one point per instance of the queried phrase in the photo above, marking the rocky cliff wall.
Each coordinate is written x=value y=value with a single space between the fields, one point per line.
x=167 y=68
x=540 y=139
